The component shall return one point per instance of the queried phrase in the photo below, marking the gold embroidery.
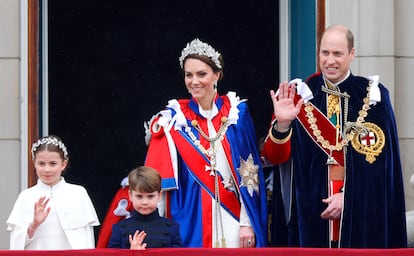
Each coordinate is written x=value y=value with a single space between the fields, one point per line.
x=280 y=141
x=333 y=105
x=369 y=143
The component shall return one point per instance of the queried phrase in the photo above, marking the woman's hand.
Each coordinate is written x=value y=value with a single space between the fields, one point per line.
x=247 y=237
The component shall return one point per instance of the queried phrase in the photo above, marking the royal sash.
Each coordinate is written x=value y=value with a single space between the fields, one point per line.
x=325 y=125
x=336 y=172
x=196 y=162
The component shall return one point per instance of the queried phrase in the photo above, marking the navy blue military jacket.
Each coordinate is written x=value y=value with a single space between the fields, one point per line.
x=161 y=232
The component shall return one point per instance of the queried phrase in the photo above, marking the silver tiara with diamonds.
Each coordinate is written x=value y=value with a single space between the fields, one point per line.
x=50 y=141
x=198 y=47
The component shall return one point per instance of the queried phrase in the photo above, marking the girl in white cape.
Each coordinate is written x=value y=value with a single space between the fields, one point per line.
x=53 y=214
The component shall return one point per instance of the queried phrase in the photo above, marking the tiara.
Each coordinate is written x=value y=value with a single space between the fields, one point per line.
x=198 y=47
x=52 y=141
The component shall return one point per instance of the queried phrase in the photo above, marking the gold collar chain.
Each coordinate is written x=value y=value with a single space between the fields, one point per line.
x=349 y=131
x=211 y=152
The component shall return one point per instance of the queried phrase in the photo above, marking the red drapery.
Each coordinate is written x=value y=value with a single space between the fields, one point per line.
x=229 y=252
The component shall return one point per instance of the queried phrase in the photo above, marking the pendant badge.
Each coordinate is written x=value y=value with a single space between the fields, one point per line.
x=370 y=143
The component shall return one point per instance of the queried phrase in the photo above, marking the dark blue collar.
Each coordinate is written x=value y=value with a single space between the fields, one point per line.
x=152 y=216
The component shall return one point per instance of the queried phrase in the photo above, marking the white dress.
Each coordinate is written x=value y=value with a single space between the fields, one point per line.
x=69 y=224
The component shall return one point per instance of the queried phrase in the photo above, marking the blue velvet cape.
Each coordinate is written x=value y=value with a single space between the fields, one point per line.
x=374 y=207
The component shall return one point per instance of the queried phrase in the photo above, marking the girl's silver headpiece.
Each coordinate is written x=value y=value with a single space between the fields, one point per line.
x=198 y=47
x=52 y=141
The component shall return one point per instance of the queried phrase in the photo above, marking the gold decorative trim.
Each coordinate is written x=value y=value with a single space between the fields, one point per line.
x=375 y=142
x=312 y=120
x=280 y=141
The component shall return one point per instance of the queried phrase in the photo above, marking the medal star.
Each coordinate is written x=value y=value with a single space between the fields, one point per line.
x=249 y=174
x=227 y=184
